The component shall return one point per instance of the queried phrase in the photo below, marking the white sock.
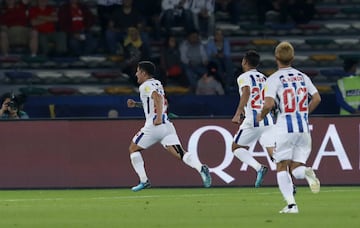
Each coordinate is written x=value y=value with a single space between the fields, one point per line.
x=286 y=186
x=290 y=178
x=243 y=155
x=187 y=159
x=138 y=165
x=299 y=172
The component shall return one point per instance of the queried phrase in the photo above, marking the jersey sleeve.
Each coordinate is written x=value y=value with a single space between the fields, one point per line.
x=311 y=87
x=243 y=81
x=148 y=89
x=271 y=87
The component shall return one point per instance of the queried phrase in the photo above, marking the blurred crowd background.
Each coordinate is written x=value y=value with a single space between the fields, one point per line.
x=77 y=58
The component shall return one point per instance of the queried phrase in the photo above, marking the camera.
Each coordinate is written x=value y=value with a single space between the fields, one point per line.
x=13 y=104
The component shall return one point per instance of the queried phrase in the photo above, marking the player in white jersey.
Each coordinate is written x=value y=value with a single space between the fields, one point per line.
x=157 y=128
x=251 y=84
x=296 y=97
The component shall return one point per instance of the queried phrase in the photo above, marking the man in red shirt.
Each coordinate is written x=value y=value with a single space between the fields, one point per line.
x=43 y=18
x=76 y=20
x=14 y=25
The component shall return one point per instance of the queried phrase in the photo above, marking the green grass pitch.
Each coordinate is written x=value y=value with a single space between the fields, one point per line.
x=178 y=207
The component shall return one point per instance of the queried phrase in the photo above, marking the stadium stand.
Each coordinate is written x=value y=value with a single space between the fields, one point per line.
x=320 y=45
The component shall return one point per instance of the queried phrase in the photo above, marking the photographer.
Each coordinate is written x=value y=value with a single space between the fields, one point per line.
x=11 y=107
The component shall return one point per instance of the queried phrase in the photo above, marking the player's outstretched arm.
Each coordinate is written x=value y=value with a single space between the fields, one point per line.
x=133 y=104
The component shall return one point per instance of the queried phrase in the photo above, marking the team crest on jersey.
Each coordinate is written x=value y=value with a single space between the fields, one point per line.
x=241 y=81
x=147 y=89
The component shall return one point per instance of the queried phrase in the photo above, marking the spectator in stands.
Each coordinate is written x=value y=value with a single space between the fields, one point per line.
x=104 y=9
x=272 y=11
x=347 y=89
x=151 y=10
x=113 y=114
x=76 y=19
x=204 y=16
x=11 y=107
x=43 y=18
x=170 y=62
x=14 y=25
x=219 y=52
x=177 y=13
x=208 y=85
x=300 y=11
x=134 y=51
x=230 y=7
x=194 y=58
x=120 y=21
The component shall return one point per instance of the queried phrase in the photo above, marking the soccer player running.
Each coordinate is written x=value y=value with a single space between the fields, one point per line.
x=251 y=85
x=296 y=97
x=157 y=128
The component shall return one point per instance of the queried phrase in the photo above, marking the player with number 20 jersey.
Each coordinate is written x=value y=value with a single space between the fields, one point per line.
x=256 y=81
x=251 y=90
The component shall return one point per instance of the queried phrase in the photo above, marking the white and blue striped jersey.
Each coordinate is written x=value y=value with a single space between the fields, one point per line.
x=256 y=81
x=291 y=88
x=146 y=89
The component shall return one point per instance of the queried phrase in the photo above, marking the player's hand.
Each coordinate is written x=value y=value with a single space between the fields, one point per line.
x=258 y=117
x=4 y=106
x=157 y=122
x=234 y=120
x=131 y=103
x=238 y=119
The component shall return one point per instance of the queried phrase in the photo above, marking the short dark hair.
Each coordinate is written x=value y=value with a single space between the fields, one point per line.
x=147 y=66
x=5 y=96
x=252 y=57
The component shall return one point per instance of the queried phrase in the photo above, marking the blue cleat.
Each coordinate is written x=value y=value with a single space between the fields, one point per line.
x=205 y=175
x=260 y=176
x=141 y=186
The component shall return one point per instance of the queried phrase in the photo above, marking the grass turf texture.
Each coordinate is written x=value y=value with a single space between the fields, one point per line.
x=178 y=207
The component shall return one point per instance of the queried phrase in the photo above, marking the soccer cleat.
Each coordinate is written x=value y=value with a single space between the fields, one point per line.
x=312 y=180
x=260 y=176
x=141 y=186
x=205 y=175
x=290 y=209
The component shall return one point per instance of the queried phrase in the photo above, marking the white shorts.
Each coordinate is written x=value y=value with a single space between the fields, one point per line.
x=292 y=146
x=246 y=136
x=151 y=134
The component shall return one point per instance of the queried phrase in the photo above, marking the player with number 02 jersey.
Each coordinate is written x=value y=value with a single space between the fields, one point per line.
x=296 y=97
